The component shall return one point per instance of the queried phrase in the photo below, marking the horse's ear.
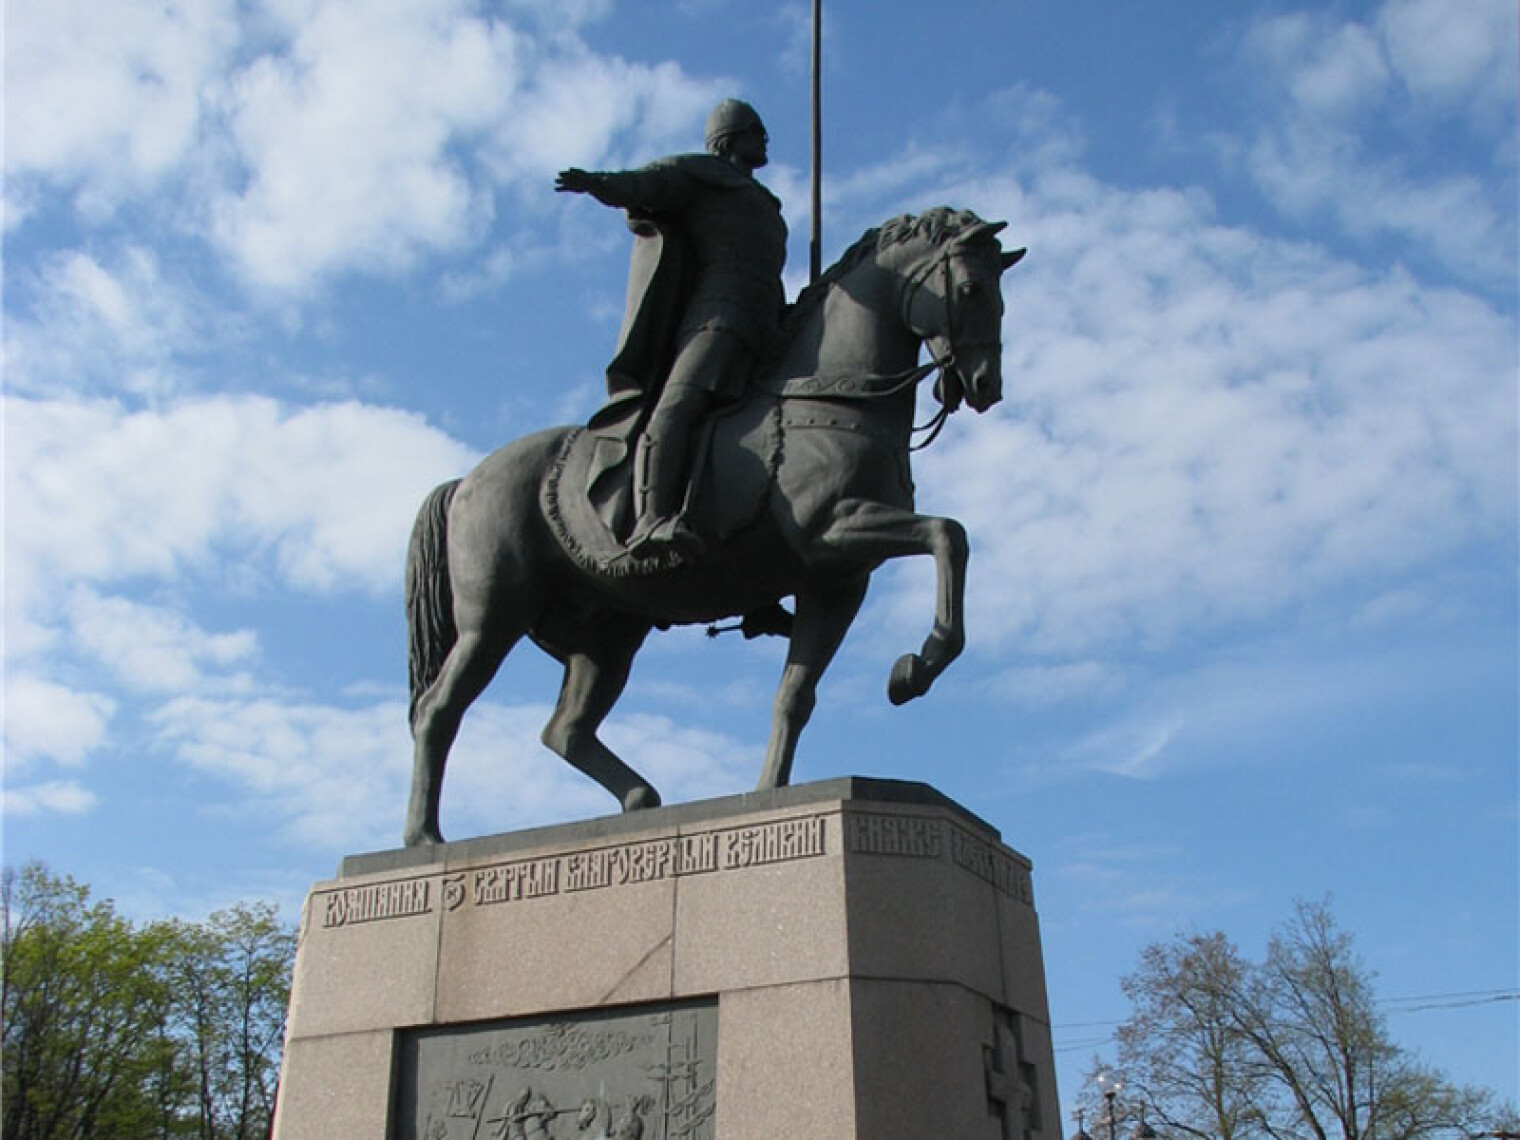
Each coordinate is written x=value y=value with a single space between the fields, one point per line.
x=1012 y=258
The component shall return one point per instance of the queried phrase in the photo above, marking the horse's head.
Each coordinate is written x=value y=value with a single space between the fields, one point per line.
x=953 y=301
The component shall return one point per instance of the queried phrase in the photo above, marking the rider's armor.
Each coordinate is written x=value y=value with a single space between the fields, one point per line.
x=735 y=244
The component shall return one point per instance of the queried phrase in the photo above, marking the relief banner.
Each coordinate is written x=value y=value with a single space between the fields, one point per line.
x=648 y=1073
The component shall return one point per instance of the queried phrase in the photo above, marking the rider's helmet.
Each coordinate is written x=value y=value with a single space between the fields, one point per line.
x=731 y=117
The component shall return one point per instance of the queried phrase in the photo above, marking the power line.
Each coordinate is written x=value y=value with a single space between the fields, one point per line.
x=1463 y=1003
x=1094 y=1043
x=1086 y=1024
x=1461 y=999
x=1452 y=1000
x=1457 y=994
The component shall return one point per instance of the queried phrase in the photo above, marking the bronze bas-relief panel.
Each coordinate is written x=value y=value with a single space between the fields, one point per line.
x=649 y=1073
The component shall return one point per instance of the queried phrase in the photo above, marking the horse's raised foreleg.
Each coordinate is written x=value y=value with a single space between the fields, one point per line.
x=818 y=627
x=594 y=679
x=467 y=670
x=876 y=531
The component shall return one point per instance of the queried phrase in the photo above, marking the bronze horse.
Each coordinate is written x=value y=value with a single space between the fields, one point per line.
x=489 y=561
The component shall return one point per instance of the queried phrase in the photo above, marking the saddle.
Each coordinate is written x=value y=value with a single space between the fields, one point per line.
x=588 y=496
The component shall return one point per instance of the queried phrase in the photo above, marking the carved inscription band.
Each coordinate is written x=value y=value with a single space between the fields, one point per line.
x=921 y=837
x=728 y=849
x=354 y=905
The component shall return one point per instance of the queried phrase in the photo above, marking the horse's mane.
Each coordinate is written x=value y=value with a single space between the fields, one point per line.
x=937 y=225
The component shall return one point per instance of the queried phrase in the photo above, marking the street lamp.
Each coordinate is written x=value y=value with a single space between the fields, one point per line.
x=1110 y=1085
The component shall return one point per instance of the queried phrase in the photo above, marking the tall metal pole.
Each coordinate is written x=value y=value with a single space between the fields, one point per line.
x=815 y=259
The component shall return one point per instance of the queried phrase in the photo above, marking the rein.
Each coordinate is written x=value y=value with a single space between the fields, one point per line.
x=862 y=387
x=933 y=427
x=895 y=382
x=866 y=387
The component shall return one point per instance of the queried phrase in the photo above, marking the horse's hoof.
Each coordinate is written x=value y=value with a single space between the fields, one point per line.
x=909 y=679
x=640 y=798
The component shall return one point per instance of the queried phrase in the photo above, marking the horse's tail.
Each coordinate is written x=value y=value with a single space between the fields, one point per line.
x=429 y=596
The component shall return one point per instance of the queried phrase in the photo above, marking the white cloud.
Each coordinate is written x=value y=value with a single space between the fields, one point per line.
x=1154 y=887
x=563 y=14
x=684 y=763
x=1305 y=171
x=320 y=137
x=1447 y=59
x=1138 y=747
x=347 y=139
x=114 y=95
x=1421 y=76
x=153 y=649
x=52 y=797
x=501 y=777
x=328 y=777
x=1460 y=56
x=376 y=138
x=581 y=108
x=890 y=177
x=1039 y=685
x=1331 y=69
x=337 y=778
x=1287 y=701
x=335 y=488
x=91 y=327
x=45 y=721
x=320 y=497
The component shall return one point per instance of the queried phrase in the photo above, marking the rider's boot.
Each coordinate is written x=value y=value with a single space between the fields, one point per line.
x=659 y=488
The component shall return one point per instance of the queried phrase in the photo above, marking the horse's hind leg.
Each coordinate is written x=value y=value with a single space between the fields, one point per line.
x=594 y=679
x=467 y=670
x=821 y=621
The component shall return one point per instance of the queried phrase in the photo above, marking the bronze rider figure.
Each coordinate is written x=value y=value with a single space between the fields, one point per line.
x=736 y=245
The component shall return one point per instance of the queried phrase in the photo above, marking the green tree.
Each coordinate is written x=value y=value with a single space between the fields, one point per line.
x=1181 y=1042
x=113 y=1031
x=82 y=995
x=231 y=979
x=1289 y=1048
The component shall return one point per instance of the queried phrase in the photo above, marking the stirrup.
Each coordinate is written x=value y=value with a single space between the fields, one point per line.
x=651 y=538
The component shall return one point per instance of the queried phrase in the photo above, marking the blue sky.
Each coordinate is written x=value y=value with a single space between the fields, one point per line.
x=1242 y=607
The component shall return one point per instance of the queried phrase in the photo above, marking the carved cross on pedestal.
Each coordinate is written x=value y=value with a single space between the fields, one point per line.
x=1011 y=1080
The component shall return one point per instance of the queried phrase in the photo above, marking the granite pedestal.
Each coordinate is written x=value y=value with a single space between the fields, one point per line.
x=849 y=959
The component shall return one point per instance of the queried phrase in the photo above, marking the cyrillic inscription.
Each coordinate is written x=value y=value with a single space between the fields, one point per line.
x=895 y=835
x=641 y=862
x=773 y=842
x=908 y=836
x=989 y=863
x=620 y=865
x=532 y=879
x=351 y=905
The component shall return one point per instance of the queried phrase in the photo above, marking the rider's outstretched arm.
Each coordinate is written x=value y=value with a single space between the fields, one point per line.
x=661 y=187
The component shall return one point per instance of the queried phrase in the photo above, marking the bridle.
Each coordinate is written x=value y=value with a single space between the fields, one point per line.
x=944 y=361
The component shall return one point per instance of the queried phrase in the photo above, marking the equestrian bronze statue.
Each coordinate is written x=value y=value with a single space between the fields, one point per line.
x=799 y=487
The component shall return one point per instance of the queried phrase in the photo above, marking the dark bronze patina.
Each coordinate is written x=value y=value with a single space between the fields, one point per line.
x=799 y=483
